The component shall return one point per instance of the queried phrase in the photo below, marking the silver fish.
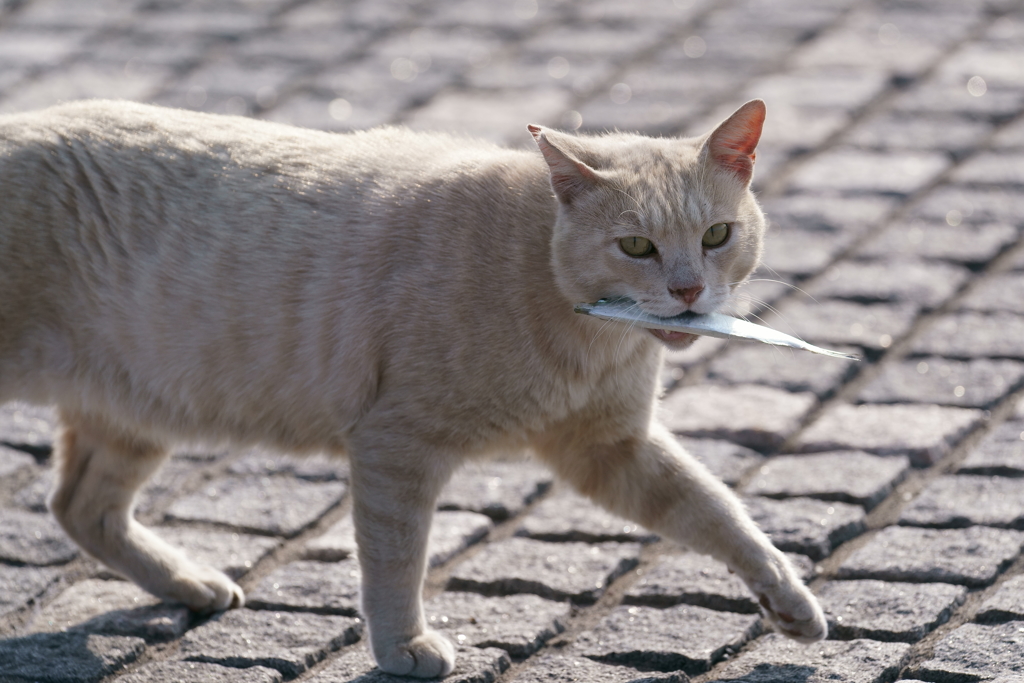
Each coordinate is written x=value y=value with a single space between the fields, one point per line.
x=710 y=325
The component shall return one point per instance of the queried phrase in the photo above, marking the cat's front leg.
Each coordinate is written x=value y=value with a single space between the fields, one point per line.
x=652 y=480
x=394 y=492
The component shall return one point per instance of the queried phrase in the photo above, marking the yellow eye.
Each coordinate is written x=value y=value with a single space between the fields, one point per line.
x=716 y=235
x=636 y=246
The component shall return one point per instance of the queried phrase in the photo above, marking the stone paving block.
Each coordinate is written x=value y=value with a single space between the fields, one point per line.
x=881 y=610
x=200 y=672
x=999 y=453
x=750 y=415
x=20 y=586
x=32 y=496
x=846 y=476
x=681 y=638
x=787 y=369
x=289 y=642
x=264 y=463
x=13 y=462
x=559 y=571
x=231 y=552
x=33 y=538
x=925 y=283
x=852 y=171
x=839 y=323
x=114 y=608
x=452 y=532
x=971 y=244
x=170 y=480
x=272 y=505
x=977 y=383
x=924 y=433
x=726 y=460
x=497 y=489
x=775 y=659
x=310 y=586
x=998 y=292
x=975 y=652
x=973 y=335
x=66 y=657
x=472 y=665
x=896 y=131
x=692 y=579
x=991 y=168
x=964 y=500
x=792 y=251
x=574 y=669
x=567 y=516
x=931 y=98
x=969 y=205
x=809 y=527
x=970 y=557
x=518 y=624
x=1006 y=604
x=843 y=217
x=28 y=426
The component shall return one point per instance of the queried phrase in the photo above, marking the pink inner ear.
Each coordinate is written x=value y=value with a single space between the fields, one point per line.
x=733 y=143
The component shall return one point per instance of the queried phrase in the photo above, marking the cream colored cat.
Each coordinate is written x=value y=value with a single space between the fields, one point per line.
x=402 y=298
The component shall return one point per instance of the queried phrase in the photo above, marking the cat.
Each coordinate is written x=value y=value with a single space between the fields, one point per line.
x=403 y=299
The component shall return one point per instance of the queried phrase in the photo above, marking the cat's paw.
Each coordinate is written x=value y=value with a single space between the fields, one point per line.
x=428 y=655
x=202 y=589
x=794 y=612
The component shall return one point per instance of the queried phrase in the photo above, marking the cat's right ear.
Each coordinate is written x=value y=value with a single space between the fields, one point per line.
x=570 y=177
x=731 y=145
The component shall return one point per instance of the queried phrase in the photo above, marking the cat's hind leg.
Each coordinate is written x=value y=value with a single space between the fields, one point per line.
x=98 y=471
x=652 y=480
x=394 y=490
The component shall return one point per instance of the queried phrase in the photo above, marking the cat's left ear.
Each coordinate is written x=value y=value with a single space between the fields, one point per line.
x=570 y=177
x=731 y=145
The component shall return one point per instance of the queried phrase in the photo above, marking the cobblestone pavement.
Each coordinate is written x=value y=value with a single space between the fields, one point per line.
x=892 y=168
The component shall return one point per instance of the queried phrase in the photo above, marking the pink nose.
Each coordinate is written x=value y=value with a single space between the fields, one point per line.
x=686 y=294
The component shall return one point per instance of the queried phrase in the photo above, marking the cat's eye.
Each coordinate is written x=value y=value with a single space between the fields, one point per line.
x=716 y=235
x=636 y=246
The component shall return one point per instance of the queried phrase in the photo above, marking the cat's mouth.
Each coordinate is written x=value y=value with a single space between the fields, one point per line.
x=673 y=338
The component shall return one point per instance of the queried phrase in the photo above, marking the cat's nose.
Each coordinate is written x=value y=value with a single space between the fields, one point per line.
x=688 y=295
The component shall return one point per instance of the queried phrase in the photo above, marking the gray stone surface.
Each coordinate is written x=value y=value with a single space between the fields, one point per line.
x=1005 y=604
x=310 y=586
x=782 y=368
x=837 y=216
x=809 y=527
x=472 y=665
x=997 y=292
x=567 y=516
x=922 y=432
x=992 y=168
x=518 y=624
x=261 y=462
x=793 y=251
x=968 y=243
x=558 y=571
x=726 y=460
x=200 y=672
x=924 y=283
x=845 y=323
x=965 y=500
x=27 y=425
x=881 y=610
x=115 y=608
x=271 y=505
x=33 y=538
x=775 y=659
x=973 y=335
x=854 y=171
x=13 y=462
x=231 y=552
x=75 y=657
x=289 y=642
x=970 y=557
x=496 y=489
x=976 y=205
x=549 y=668
x=20 y=586
x=751 y=415
x=975 y=652
x=452 y=532
x=680 y=638
x=1001 y=452
x=977 y=383
x=692 y=579
x=852 y=477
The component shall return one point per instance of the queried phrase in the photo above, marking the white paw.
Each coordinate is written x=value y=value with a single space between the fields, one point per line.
x=428 y=655
x=202 y=589
x=794 y=612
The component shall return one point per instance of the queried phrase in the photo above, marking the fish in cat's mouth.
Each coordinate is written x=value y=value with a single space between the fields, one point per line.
x=674 y=339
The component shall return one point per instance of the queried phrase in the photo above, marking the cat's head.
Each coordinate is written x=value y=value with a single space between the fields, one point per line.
x=670 y=223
